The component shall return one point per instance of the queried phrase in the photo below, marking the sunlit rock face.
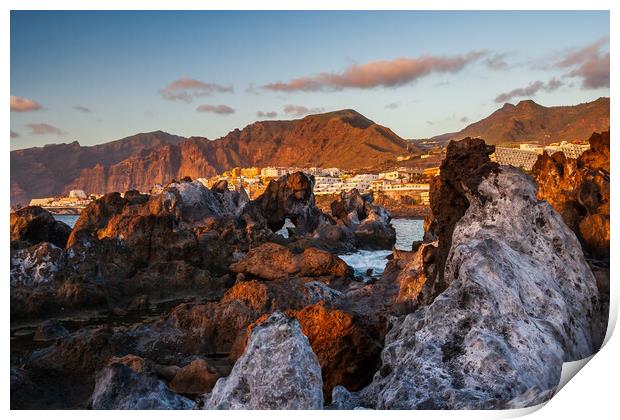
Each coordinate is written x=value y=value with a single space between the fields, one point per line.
x=278 y=370
x=579 y=189
x=519 y=302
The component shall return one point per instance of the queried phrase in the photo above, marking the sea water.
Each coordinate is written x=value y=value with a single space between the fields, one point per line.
x=407 y=231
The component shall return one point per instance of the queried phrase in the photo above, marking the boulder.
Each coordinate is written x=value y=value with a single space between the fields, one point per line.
x=290 y=197
x=197 y=378
x=271 y=261
x=32 y=225
x=118 y=387
x=278 y=370
x=367 y=225
x=519 y=302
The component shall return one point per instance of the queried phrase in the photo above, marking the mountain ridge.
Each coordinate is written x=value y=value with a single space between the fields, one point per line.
x=528 y=121
x=343 y=138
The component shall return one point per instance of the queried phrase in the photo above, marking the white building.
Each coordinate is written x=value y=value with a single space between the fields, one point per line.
x=80 y=194
x=527 y=154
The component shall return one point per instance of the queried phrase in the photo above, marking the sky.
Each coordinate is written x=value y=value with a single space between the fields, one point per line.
x=99 y=76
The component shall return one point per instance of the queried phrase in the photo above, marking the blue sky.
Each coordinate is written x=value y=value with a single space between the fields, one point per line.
x=100 y=76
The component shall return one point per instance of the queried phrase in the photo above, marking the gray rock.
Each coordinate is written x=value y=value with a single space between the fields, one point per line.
x=36 y=265
x=519 y=303
x=118 y=387
x=278 y=370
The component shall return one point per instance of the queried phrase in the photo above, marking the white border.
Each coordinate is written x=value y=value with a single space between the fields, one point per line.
x=592 y=395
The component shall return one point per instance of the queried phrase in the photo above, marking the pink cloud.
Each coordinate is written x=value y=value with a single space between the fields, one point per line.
x=43 y=129
x=216 y=109
x=186 y=89
x=530 y=90
x=300 y=110
x=19 y=104
x=392 y=73
x=590 y=64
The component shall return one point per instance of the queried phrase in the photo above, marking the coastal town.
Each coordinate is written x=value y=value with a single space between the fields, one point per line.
x=412 y=182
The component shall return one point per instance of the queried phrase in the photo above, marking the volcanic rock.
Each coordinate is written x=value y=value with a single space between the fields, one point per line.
x=197 y=378
x=118 y=387
x=467 y=162
x=290 y=197
x=579 y=189
x=519 y=303
x=271 y=261
x=32 y=225
x=278 y=370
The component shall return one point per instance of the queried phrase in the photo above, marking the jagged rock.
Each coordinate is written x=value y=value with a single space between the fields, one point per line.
x=223 y=325
x=416 y=278
x=466 y=163
x=32 y=225
x=579 y=189
x=278 y=370
x=271 y=261
x=118 y=387
x=36 y=265
x=197 y=378
x=346 y=344
x=519 y=303
x=367 y=224
x=290 y=197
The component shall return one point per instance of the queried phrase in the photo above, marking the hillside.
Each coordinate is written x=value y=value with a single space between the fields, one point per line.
x=345 y=139
x=530 y=122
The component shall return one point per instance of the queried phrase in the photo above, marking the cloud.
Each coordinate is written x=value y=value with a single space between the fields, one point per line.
x=374 y=74
x=391 y=106
x=43 y=129
x=464 y=120
x=268 y=114
x=300 y=110
x=594 y=72
x=216 y=109
x=82 y=109
x=19 y=104
x=14 y=134
x=530 y=90
x=430 y=122
x=496 y=62
x=186 y=89
x=588 y=63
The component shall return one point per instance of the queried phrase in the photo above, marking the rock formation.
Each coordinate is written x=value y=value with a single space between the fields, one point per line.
x=519 y=302
x=467 y=162
x=579 y=189
x=32 y=225
x=278 y=370
x=118 y=387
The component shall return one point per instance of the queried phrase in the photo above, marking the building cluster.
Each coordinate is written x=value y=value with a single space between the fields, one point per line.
x=328 y=181
x=77 y=199
x=525 y=155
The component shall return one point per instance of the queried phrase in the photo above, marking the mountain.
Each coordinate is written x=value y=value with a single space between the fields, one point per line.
x=530 y=122
x=344 y=139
